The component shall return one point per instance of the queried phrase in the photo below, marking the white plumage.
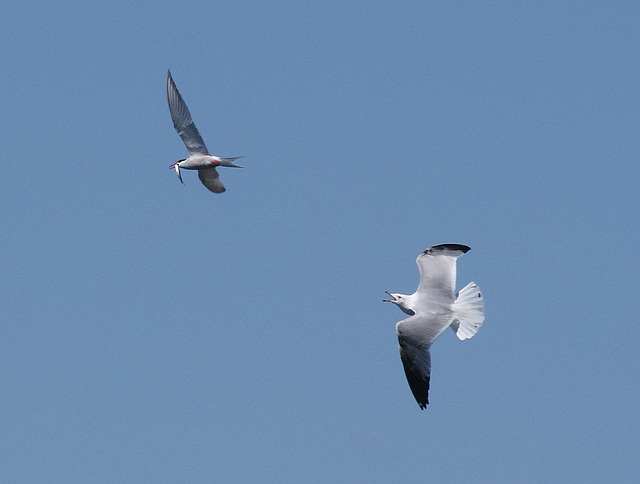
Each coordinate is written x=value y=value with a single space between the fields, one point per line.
x=433 y=308
x=199 y=157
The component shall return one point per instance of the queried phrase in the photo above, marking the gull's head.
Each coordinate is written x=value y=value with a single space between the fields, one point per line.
x=400 y=300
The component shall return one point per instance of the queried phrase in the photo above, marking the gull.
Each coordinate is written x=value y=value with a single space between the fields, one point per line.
x=433 y=308
x=199 y=157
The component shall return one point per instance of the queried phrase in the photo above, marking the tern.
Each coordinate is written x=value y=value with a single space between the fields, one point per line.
x=433 y=308
x=199 y=157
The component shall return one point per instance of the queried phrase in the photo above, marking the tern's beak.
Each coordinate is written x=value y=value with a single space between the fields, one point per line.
x=176 y=166
x=393 y=299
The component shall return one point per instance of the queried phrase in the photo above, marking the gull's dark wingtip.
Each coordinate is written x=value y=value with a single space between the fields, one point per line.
x=419 y=382
x=448 y=247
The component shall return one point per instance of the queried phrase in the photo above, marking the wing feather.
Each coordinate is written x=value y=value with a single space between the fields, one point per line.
x=437 y=267
x=182 y=121
x=415 y=336
x=211 y=179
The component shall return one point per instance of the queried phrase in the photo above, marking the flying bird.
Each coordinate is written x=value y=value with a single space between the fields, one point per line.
x=199 y=157
x=433 y=308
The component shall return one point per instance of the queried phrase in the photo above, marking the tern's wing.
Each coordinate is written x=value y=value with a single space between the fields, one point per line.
x=437 y=267
x=415 y=335
x=210 y=179
x=182 y=120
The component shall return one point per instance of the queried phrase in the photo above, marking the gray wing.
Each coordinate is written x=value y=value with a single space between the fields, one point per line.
x=210 y=179
x=182 y=120
x=437 y=267
x=415 y=336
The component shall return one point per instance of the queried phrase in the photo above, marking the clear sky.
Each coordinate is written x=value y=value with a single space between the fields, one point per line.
x=153 y=332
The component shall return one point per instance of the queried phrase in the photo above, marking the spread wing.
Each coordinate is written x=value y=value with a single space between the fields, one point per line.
x=415 y=335
x=182 y=120
x=437 y=267
x=210 y=179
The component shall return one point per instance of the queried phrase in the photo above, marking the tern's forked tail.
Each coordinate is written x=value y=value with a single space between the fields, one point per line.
x=469 y=311
x=230 y=162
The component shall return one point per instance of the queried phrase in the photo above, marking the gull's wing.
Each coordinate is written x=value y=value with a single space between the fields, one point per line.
x=210 y=179
x=182 y=120
x=437 y=267
x=415 y=335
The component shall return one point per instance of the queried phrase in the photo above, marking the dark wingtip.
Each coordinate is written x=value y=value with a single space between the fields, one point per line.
x=423 y=401
x=422 y=395
x=418 y=383
x=455 y=247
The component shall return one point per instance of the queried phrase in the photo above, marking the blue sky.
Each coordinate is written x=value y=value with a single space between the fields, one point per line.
x=158 y=333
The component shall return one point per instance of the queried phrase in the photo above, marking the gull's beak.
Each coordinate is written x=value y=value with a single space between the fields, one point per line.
x=393 y=299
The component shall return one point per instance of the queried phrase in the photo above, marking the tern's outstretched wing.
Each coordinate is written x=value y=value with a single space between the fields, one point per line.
x=415 y=335
x=210 y=179
x=182 y=120
x=437 y=267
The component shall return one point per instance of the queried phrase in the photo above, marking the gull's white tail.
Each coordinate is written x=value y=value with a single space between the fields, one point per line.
x=469 y=311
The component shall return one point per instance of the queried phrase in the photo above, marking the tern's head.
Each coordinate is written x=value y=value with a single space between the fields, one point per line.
x=400 y=300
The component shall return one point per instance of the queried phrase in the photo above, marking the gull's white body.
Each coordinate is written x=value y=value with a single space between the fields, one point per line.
x=433 y=308
x=199 y=157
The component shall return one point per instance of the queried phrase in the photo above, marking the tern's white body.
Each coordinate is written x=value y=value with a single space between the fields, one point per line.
x=199 y=157
x=433 y=308
x=195 y=162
